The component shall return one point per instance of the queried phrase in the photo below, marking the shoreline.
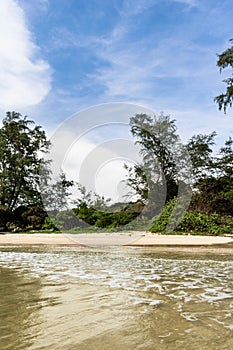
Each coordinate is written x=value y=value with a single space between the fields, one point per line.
x=121 y=239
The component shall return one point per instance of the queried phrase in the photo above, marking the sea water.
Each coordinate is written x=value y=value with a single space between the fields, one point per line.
x=80 y=299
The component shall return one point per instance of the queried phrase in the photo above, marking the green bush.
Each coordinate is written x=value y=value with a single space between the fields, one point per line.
x=160 y=222
x=198 y=222
x=102 y=219
x=49 y=224
x=194 y=222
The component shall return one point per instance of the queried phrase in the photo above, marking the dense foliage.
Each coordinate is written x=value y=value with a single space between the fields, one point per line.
x=23 y=173
x=22 y=145
x=107 y=219
x=193 y=222
x=30 y=201
x=21 y=142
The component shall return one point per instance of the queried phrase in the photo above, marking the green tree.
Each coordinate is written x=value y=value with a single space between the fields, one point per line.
x=225 y=163
x=200 y=150
x=225 y=60
x=22 y=145
x=28 y=218
x=163 y=159
x=213 y=186
x=56 y=194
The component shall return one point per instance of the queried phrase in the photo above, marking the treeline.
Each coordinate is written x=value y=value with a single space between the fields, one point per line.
x=176 y=187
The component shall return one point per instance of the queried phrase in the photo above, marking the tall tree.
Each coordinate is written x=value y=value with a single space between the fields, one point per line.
x=22 y=145
x=163 y=158
x=225 y=60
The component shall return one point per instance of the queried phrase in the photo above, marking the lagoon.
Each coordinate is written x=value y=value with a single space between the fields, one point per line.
x=114 y=298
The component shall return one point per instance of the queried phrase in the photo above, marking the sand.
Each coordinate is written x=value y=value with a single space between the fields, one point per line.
x=130 y=239
x=34 y=239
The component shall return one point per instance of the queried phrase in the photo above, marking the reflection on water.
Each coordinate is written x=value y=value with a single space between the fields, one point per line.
x=75 y=298
x=19 y=304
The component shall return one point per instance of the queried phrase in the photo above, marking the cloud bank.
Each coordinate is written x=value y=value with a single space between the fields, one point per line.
x=25 y=78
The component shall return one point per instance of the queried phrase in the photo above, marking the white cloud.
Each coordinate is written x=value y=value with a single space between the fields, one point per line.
x=143 y=70
x=95 y=144
x=25 y=77
x=190 y=3
x=133 y=68
x=130 y=8
x=136 y=74
x=100 y=168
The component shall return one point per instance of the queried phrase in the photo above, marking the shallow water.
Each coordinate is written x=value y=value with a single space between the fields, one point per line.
x=76 y=298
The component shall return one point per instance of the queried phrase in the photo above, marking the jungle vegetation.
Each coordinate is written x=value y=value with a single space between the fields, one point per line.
x=166 y=166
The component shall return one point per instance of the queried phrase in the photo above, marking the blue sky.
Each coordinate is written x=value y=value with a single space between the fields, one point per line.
x=58 y=57
x=159 y=53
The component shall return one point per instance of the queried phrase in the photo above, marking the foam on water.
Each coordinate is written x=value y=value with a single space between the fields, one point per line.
x=197 y=288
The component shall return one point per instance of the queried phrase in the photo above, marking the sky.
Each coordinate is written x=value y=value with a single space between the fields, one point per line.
x=59 y=58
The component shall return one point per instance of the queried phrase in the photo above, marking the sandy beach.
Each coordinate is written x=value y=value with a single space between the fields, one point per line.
x=131 y=239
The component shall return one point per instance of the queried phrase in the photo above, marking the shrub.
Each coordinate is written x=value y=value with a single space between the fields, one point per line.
x=104 y=219
x=194 y=222
x=50 y=224
x=160 y=221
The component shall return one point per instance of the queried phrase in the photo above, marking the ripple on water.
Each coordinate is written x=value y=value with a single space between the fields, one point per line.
x=118 y=293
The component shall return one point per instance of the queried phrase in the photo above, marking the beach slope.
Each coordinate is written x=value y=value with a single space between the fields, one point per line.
x=133 y=239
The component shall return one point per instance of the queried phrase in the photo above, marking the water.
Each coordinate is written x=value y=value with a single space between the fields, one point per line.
x=76 y=298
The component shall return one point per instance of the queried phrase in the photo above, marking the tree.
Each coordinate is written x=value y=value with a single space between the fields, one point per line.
x=213 y=175
x=157 y=178
x=225 y=163
x=90 y=199
x=225 y=60
x=200 y=150
x=55 y=194
x=22 y=145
